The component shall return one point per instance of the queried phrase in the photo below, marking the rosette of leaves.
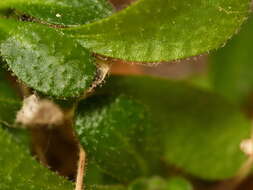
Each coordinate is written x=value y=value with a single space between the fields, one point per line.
x=133 y=127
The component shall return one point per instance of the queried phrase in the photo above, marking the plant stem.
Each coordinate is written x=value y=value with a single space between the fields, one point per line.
x=80 y=170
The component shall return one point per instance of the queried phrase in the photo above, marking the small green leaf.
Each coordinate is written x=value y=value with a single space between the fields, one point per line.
x=48 y=61
x=19 y=171
x=61 y=12
x=231 y=66
x=197 y=131
x=162 y=30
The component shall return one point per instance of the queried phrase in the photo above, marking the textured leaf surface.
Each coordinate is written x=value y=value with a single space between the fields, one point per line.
x=231 y=66
x=112 y=131
x=199 y=132
x=19 y=171
x=164 y=30
x=62 y=12
x=48 y=61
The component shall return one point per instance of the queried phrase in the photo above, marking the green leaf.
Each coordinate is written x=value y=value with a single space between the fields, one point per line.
x=162 y=30
x=231 y=66
x=198 y=131
x=112 y=131
x=158 y=183
x=60 y=12
x=153 y=183
x=48 y=61
x=19 y=171
x=94 y=175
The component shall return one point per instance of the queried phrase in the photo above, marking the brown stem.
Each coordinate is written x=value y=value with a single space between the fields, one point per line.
x=80 y=170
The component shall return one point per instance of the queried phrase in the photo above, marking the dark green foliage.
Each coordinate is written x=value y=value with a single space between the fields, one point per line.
x=185 y=120
x=231 y=66
x=19 y=171
x=133 y=128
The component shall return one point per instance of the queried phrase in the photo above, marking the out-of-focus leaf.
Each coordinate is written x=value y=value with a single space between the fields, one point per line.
x=61 y=12
x=6 y=88
x=196 y=130
x=179 y=183
x=94 y=175
x=162 y=30
x=48 y=61
x=153 y=183
x=8 y=110
x=231 y=66
x=158 y=183
x=106 y=187
x=9 y=101
x=19 y=171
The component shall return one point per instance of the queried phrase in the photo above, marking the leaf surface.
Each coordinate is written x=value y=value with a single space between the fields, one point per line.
x=112 y=131
x=152 y=183
x=174 y=183
x=231 y=66
x=46 y=60
x=164 y=30
x=19 y=171
x=194 y=130
x=60 y=12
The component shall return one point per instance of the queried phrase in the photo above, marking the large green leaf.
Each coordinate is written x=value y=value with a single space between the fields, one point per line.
x=198 y=131
x=48 y=61
x=231 y=66
x=19 y=171
x=61 y=12
x=113 y=131
x=164 y=30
